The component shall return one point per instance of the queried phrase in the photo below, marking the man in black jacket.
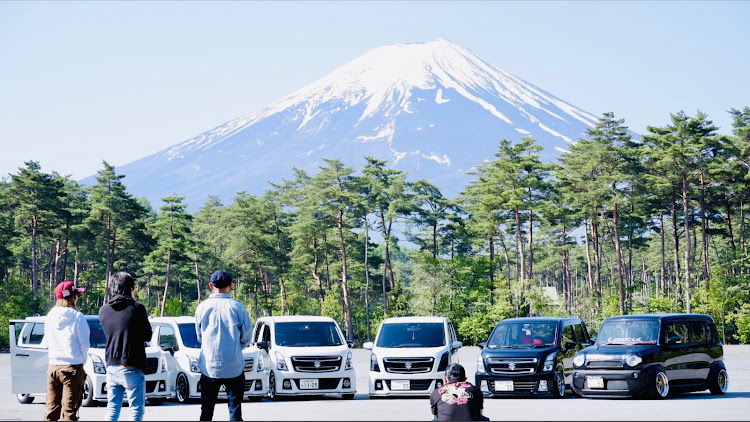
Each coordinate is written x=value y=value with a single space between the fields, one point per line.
x=125 y=323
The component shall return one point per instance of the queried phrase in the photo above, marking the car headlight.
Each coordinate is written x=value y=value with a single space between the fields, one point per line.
x=259 y=366
x=348 y=361
x=480 y=363
x=444 y=361
x=99 y=367
x=579 y=360
x=374 y=367
x=633 y=360
x=280 y=362
x=163 y=365
x=549 y=362
x=194 y=367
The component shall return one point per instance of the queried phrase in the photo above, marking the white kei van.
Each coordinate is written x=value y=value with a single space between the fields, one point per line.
x=29 y=361
x=410 y=354
x=307 y=355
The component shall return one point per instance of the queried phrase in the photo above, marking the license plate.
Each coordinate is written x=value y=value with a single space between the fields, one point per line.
x=308 y=384
x=503 y=385
x=595 y=382
x=400 y=385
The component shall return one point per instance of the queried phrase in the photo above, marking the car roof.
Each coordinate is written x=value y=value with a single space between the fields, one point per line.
x=665 y=316
x=297 y=318
x=42 y=318
x=539 y=319
x=395 y=320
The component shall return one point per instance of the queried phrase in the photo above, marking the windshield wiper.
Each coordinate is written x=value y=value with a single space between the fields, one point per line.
x=543 y=345
x=516 y=346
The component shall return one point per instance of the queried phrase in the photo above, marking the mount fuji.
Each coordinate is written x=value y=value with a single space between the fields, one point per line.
x=434 y=110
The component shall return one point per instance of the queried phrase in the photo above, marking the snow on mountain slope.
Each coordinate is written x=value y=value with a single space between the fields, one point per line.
x=432 y=109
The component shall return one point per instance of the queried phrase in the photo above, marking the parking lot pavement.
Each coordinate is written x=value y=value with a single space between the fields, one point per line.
x=695 y=406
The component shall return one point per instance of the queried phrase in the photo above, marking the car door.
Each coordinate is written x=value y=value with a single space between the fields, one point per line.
x=168 y=336
x=678 y=361
x=261 y=332
x=567 y=335
x=700 y=337
x=29 y=358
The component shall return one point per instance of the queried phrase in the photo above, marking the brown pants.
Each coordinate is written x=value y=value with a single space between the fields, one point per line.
x=65 y=384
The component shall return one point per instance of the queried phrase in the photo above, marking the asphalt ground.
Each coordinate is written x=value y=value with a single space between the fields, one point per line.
x=703 y=406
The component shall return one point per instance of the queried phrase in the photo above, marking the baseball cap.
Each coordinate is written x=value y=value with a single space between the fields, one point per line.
x=67 y=288
x=220 y=279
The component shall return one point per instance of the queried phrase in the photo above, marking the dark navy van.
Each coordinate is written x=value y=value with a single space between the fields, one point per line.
x=651 y=356
x=530 y=356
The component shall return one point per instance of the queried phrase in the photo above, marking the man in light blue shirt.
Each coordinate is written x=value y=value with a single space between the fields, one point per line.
x=224 y=328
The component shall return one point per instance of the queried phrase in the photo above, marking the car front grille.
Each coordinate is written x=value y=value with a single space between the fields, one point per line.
x=518 y=387
x=415 y=385
x=324 y=383
x=316 y=363
x=248 y=364
x=604 y=364
x=408 y=365
x=511 y=366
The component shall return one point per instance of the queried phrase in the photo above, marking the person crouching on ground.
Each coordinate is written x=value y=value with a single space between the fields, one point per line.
x=224 y=328
x=457 y=399
x=66 y=336
x=126 y=326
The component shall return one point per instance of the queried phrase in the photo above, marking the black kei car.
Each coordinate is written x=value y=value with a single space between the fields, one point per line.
x=651 y=356
x=530 y=356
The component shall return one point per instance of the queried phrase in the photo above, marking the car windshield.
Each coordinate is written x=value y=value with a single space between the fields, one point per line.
x=189 y=337
x=417 y=334
x=523 y=335
x=628 y=332
x=307 y=334
x=97 y=339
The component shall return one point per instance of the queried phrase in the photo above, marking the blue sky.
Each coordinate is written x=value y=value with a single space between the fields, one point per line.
x=82 y=82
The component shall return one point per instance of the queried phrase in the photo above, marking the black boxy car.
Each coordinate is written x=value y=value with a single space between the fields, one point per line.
x=650 y=356
x=530 y=356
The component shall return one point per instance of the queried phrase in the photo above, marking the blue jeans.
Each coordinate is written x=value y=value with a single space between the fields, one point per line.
x=121 y=379
x=235 y=388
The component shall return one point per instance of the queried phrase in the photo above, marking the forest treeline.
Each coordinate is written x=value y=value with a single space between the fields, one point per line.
x=617 y=226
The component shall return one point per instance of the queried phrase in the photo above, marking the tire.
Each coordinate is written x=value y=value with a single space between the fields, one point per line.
x=24 y=398
x=559 y=385
x=348 y=396
x=658 y=385
x=88 y=394
x=254 y=399
x=156 y=401
x=182 y=388
x=272 y=387
x=718 y=382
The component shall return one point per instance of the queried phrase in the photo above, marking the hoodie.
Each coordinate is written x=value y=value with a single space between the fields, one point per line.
x=125 y=323
x=66 y=335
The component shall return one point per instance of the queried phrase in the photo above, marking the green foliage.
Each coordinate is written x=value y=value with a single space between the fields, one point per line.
x=741 y=320
x=174 y=307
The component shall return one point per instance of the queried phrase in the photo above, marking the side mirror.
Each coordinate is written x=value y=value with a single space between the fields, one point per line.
x=592 y=340
x=349 y=344
x=262 y=345
x=456 y=345
x=482 y=345
x=368 y=345
x=674 y=340
x=570 y=345
x=167 y=347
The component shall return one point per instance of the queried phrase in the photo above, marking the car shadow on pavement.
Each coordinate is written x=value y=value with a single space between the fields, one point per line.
x=706 y=395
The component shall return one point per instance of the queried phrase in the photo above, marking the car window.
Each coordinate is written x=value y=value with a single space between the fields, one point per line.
x=189 y=336
x=520 y=335
x=628 y=331
x=33 y=336
x=579 y=333
x=567 y=334
x=167 y=335
x=308 y=334
x=257 y=332
x=699 y=332
x=454 y=337
x=266 y=334
x=97 y=339
x=679 y=330
x=412 y=334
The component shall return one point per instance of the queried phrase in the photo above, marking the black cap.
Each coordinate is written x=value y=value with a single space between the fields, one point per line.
x=455 y=373
x=220 y=279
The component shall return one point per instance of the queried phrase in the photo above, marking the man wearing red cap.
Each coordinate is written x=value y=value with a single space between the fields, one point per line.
x=66 y=335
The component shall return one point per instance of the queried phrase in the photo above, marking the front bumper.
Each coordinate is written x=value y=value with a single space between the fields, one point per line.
x=339 y=382
x=539 y=384
x=157 y=386
x=255 y=385
x=617 y=383
x=419 y=384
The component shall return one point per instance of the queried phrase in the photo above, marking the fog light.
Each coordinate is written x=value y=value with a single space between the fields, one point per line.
x=347 y=383
x=543 y=385
x=287 y=384
x=483 y=386
x=635 y=374
x=378 y=385
x=438 y=383
x=162 y=386
x=259 y=385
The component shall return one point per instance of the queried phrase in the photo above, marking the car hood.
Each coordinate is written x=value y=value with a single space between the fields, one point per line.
x=616 y=351
x=312 y=351
x=248 y=352
x=408 y=352
x=526 y=352
x=151 y=352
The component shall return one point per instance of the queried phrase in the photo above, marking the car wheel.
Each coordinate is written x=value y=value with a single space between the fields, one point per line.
x=182 y=388
x=272 y=386
x=24 y=398
x=718 y=382
x=559 y=384
x=254 y=399
x=348 y=396
x=658 y=385
x=88 y=394
x=156 y=401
